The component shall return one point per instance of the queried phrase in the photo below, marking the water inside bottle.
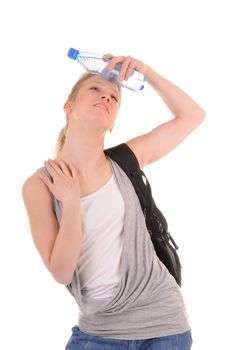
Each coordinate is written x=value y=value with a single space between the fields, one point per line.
x=94 y=64
x=113 y=75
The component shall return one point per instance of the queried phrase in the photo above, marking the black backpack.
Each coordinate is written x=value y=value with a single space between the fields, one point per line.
x=157 y=226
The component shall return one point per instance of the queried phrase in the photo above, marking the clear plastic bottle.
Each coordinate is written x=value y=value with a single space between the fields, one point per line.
x=94 y=63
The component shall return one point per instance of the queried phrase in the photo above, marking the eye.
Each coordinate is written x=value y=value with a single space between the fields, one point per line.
x=97 y=88
x=115 y=98
x=94 y=88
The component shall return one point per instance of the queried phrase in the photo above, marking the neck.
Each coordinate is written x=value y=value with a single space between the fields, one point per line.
x=84 y=148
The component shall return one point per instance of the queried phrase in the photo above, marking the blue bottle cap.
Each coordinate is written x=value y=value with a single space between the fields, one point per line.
x=73 y=53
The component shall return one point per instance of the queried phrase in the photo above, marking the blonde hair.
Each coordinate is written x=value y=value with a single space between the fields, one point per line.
x=62 y=134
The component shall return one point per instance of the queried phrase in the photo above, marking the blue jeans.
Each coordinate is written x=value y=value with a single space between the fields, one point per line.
x=83 y=341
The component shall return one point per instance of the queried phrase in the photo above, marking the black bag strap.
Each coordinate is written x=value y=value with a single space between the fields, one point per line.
x=127 y=160
x=156 y=223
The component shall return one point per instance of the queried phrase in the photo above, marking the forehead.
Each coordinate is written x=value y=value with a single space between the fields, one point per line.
x=102 y=82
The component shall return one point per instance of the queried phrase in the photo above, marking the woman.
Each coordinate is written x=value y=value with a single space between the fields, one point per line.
x=97 y=247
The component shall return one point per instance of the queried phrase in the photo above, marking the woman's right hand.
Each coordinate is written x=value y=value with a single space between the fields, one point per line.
x=65 y=185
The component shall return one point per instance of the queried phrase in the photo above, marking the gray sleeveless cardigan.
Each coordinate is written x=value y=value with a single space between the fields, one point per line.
x=147 y=302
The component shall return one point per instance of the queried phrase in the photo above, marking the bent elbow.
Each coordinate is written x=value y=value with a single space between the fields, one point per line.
x=62 y=273
x=198 y=119
x=64 y=280
x=61 y=276
x=202 y=116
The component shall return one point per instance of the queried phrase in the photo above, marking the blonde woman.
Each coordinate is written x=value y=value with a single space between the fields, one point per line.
x=88 y=226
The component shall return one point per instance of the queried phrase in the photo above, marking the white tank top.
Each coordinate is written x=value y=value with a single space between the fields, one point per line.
x=102 y=214
x=147 y=302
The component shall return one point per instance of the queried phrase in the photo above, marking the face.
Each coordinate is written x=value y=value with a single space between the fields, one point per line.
x=97 y=98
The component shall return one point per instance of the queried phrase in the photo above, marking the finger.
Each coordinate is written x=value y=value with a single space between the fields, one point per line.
x=107 y=55
x=73 y=170
x=114 y=61
x=55 y=166
x=124 y=68
x=63 y=166
x=50 y=169
x=129 y=70
x=46 y=181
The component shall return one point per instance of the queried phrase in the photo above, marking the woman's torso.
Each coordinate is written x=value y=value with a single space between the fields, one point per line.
x=145 y=290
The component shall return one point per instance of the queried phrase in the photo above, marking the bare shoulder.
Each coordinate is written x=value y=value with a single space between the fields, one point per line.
x=33 y=187
x=31 y=181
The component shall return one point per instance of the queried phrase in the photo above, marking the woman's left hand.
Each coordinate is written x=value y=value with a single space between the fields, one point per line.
x=128 y=64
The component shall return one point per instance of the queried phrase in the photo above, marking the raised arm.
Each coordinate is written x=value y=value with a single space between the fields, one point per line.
x=188 y=115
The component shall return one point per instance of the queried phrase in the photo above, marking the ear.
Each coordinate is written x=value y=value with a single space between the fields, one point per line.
x=68 y=107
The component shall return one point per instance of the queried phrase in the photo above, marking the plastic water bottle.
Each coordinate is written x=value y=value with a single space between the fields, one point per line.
x=94 y=63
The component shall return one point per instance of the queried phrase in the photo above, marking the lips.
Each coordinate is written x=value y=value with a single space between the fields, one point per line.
x=101 y=105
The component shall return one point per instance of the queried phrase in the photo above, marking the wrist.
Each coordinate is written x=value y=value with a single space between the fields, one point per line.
x=71 y=203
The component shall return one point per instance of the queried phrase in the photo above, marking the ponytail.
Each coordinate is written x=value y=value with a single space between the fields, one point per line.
x=61 y=140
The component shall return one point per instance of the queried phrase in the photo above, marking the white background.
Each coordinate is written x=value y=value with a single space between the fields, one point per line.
x=188 y=42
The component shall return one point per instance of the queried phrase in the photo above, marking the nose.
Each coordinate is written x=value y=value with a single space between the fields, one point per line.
x=105 y=97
